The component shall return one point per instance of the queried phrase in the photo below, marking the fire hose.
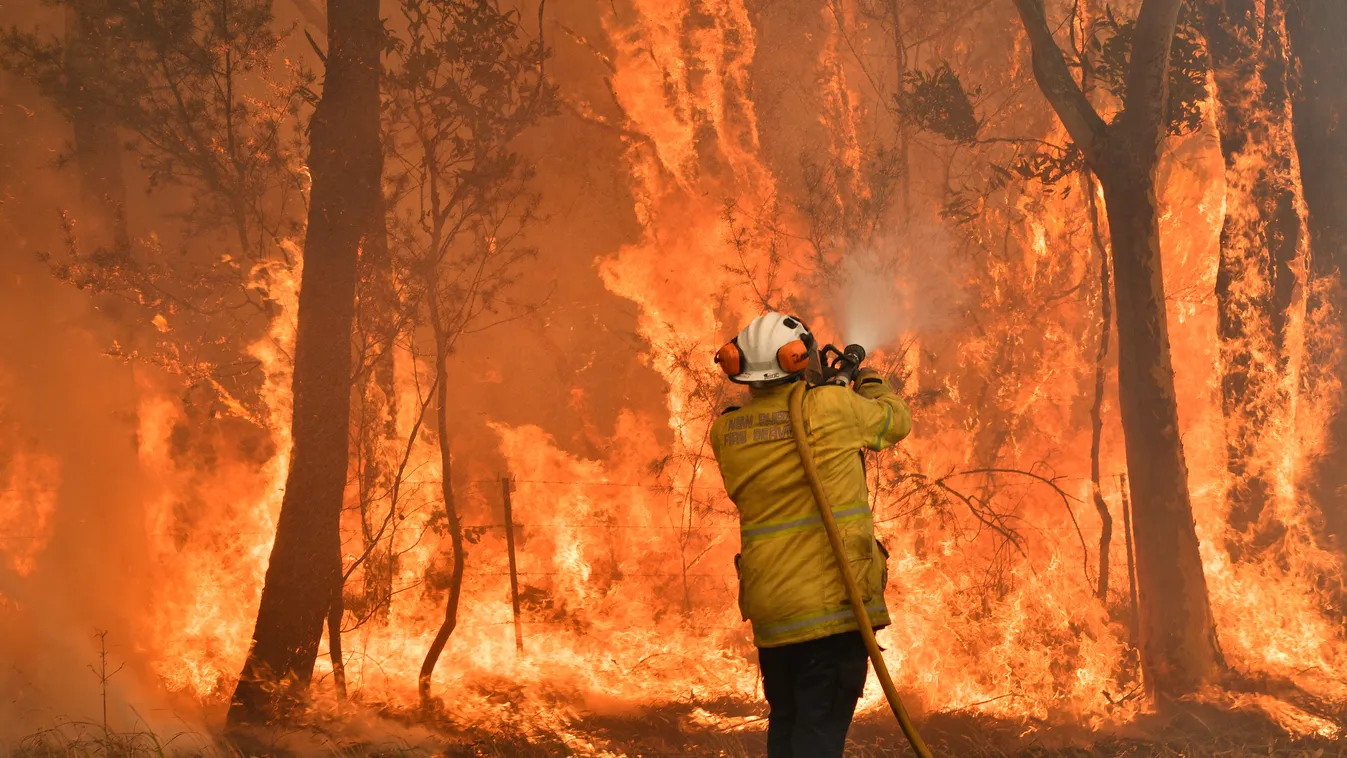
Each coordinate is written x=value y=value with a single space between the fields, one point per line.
x=839 y=551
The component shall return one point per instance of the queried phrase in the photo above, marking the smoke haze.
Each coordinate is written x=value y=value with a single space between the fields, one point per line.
x=145 y=509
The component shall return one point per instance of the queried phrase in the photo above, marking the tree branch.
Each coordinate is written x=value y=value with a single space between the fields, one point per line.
x=1054 y=77
x=1066 y=501
x=312 y=14
x=316 y=49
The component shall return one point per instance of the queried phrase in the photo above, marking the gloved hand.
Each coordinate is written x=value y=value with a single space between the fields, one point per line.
x=870 y=383
x=868 y=375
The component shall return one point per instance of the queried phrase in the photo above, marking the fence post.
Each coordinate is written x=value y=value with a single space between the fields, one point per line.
x=506 y=485
x=1131 y=562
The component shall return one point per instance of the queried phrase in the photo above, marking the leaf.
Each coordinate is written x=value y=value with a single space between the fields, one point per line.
x=1188 y=66
x=1050 y=164
x=937 y=102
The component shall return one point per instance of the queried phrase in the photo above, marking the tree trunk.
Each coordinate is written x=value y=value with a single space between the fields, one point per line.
x=98 y=154
x=1318 y=31
x=904 y=136
x=345 y=161
x=378 y=414
x=455 y=524
x=1263 y=248
x=1134 y=617
x=1178 y=639
x=1089 y=21
x=1100 y=385
x=335 y=612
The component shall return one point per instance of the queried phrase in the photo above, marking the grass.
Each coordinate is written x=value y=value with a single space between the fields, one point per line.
x=80 y=738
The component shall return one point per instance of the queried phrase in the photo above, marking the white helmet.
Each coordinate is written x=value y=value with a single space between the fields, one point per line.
x=773 y=348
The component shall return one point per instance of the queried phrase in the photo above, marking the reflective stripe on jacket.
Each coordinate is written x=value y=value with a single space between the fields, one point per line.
x=789 y=585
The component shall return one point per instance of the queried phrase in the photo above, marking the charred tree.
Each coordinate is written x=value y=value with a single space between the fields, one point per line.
x=1318 y=32
x=1178 y=639
x=1263 y=249
x=345 y=161
x=374 y=436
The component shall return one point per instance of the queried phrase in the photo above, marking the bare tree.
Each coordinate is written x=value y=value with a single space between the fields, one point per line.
x=464 y=82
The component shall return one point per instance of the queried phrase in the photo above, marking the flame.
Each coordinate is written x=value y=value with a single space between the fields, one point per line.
x=27 y=502
x=625 y=553
x=211 y=526
x=30 y=481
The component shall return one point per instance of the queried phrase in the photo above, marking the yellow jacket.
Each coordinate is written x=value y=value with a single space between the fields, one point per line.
x=789 y=585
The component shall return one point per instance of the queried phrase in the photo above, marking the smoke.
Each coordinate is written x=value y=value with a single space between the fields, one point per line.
x=65 y=402
x=73 y=561
x=898 y=288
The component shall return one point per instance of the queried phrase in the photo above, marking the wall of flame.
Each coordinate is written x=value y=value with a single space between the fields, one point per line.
x=599 y=409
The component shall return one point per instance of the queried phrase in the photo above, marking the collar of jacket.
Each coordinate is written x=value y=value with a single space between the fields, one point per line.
x=773 y=391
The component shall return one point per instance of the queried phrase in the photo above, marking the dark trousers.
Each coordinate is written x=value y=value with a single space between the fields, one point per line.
x=812 y=688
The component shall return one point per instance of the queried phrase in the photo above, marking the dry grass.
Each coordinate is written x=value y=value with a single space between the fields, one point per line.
x=80 y=738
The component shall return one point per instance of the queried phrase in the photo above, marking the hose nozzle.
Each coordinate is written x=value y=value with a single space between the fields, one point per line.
x=840 y=366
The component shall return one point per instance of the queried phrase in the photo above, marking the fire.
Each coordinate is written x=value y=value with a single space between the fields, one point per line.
x=211 y=527
x=625 y=552
x=27 y=501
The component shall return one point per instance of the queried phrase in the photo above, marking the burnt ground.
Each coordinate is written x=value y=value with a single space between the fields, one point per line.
x=1194 y=731
x=735 y=731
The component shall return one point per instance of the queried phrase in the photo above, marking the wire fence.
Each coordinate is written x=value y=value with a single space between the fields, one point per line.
x=715 y=522
x=713 y=591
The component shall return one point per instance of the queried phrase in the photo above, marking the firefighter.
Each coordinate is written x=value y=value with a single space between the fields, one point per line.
x=813 y=660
